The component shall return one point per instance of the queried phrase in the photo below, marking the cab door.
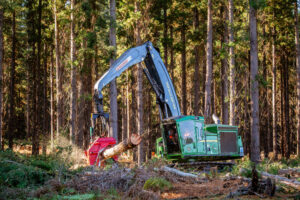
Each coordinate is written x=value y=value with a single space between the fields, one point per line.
x=187 y=136
x=201 y=142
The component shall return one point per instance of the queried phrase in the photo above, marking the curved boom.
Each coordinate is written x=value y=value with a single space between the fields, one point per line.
x=155 y=71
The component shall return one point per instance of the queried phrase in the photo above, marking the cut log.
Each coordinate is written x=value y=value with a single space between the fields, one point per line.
x=292 y=172
x=123 y=146
x=293 y=183
x=178 y=172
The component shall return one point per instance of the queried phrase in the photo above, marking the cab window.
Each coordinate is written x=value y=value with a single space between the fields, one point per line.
x=187 y=131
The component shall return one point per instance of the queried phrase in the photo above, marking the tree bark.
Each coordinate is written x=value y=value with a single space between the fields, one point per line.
x=265 y=106
x=11 y=126
x=197 y=61
x=282 y=110
x=124 y=115
x=286 y=108
x=45 y=107
x=274 y=112
x=209 y=64
x=171 y=54
x=51 y=102
x=165 y=34
x=224 y=72
x=183 y=69
x=113 y=85
x=1 y=73
x=178 y=172
x=81 y=112
x=59 y=116
x=127 y=105
x=139 y=89
x=38 y=89
x=123 y=146
x=298 y=76
x=73 y=98
x=231 y=65
x=255 y=148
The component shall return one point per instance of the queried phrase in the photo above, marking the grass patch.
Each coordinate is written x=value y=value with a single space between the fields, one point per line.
x=157 y=184
x=244 y=166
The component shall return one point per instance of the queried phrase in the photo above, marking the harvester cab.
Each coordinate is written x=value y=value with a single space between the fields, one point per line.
x=186 y=138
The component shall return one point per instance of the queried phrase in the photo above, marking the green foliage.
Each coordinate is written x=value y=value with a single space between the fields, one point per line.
x=20 y=171
x=258 y=4
x=91 y=39
x=21 y=176
x=157 y=183
x=272 y=167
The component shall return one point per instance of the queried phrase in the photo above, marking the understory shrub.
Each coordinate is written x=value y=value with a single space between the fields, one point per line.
x=157 y=184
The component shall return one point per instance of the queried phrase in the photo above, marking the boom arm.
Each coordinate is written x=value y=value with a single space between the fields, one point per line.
x=156 y=73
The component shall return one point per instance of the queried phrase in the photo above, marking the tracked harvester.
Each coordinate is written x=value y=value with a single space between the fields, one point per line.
x=184 y=138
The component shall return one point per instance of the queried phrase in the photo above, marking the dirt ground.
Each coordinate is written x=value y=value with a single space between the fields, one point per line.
x=211 y=188
x=214 y=189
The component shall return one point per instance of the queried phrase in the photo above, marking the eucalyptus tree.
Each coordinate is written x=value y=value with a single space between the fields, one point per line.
x=209 y=63
x=113 y=84
x=297 y=42
x=1 y=71
x=255 y=148
x=231 y=63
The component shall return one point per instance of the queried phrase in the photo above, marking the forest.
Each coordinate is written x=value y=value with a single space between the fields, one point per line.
x=235 y=59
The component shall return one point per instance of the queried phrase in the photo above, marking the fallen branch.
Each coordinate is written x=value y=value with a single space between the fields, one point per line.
x=178 y=172
x=293 y=183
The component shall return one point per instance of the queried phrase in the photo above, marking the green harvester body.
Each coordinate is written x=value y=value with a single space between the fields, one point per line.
x=196 y=141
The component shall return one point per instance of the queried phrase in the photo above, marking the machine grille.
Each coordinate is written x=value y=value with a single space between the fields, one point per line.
x=225 y=128
x=228 y=142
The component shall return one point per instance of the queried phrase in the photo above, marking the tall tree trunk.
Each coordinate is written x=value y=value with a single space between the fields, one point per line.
x=165 y=34
x=265 y=106
x=81 y=111
x=287 y=108
x=51 y=101
x=139 y=89
x=274 y=112
x=197 y=61
x=31 y=63
x=224 y=73
x=73 y=107
x=59 y=116
x=298 y=75
x=213 y=96
x=133 y=107
x=127 y=105
x=171 y=54
x=231 y=66
x=113 y=85
x=11 y=126
x=282 y=109
x=45 y=109
x=255 y=151
x=39 y=89
x=124 y=114
x=1 y=71
x=183 y=69
x=209 y=64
